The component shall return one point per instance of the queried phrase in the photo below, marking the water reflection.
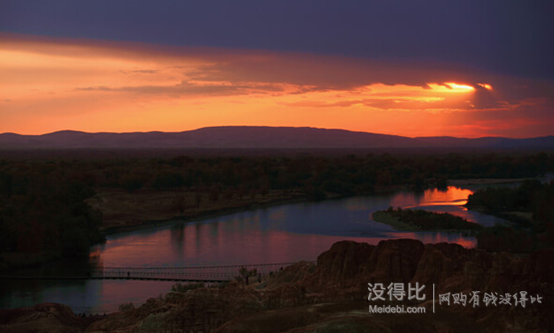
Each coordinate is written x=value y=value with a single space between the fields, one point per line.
x=287 y=233
x=452 y=196
x=177 y=235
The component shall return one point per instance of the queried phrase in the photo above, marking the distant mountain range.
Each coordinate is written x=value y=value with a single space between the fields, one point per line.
x=257 y=137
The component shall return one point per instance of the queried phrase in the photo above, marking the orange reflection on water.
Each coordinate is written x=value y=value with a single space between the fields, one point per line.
x=456 y=195
x=453 y=196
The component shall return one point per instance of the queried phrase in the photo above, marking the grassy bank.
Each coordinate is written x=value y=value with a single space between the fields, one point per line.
x=420 y=220
x=382 y=216
x=123 y=211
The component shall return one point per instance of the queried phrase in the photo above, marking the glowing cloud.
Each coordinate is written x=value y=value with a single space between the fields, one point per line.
x=484 y=85
x=51 y=84
x=456 y=87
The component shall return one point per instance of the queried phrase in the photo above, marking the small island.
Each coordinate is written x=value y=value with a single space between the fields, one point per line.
x=421 y=220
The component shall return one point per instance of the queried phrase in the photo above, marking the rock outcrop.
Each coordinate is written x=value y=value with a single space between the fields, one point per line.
x=449 y=266
x=344 y=271
x=45 y=317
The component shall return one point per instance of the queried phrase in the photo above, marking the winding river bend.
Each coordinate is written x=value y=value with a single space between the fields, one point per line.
x=286 y=233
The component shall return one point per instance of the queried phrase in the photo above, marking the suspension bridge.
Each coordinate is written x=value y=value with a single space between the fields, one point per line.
x=184 y=274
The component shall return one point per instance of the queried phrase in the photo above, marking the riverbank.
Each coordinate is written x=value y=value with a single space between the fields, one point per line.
x=485 y=181
x=123 y=211
x=382 y=217
x=421 y=220
x=146 y=208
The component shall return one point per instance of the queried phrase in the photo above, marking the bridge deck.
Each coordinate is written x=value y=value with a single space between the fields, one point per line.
x=183 y=274
x=18 y=277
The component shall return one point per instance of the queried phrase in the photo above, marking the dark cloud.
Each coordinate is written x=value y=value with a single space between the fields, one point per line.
x=514 y=91
x=186 y=88
x=513 y=37
x=325 y=72
x=240 y=72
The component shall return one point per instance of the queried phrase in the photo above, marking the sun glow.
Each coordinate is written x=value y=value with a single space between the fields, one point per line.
x=452 y=87
x=485 y=85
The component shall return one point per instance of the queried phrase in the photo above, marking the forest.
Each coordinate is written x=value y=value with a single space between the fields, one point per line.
x=530 y=208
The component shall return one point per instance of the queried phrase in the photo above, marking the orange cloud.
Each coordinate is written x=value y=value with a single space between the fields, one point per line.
x=52 y=84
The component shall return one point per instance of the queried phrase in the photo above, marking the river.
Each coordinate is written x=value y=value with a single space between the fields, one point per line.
x=286 y=233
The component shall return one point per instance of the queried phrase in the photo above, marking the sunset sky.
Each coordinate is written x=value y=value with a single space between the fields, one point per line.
x=412 y=68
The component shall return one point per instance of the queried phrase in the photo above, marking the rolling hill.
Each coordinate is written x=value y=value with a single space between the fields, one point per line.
x=257 y=137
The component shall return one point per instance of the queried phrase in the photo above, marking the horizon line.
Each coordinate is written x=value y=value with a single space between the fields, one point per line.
x=268 y=126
